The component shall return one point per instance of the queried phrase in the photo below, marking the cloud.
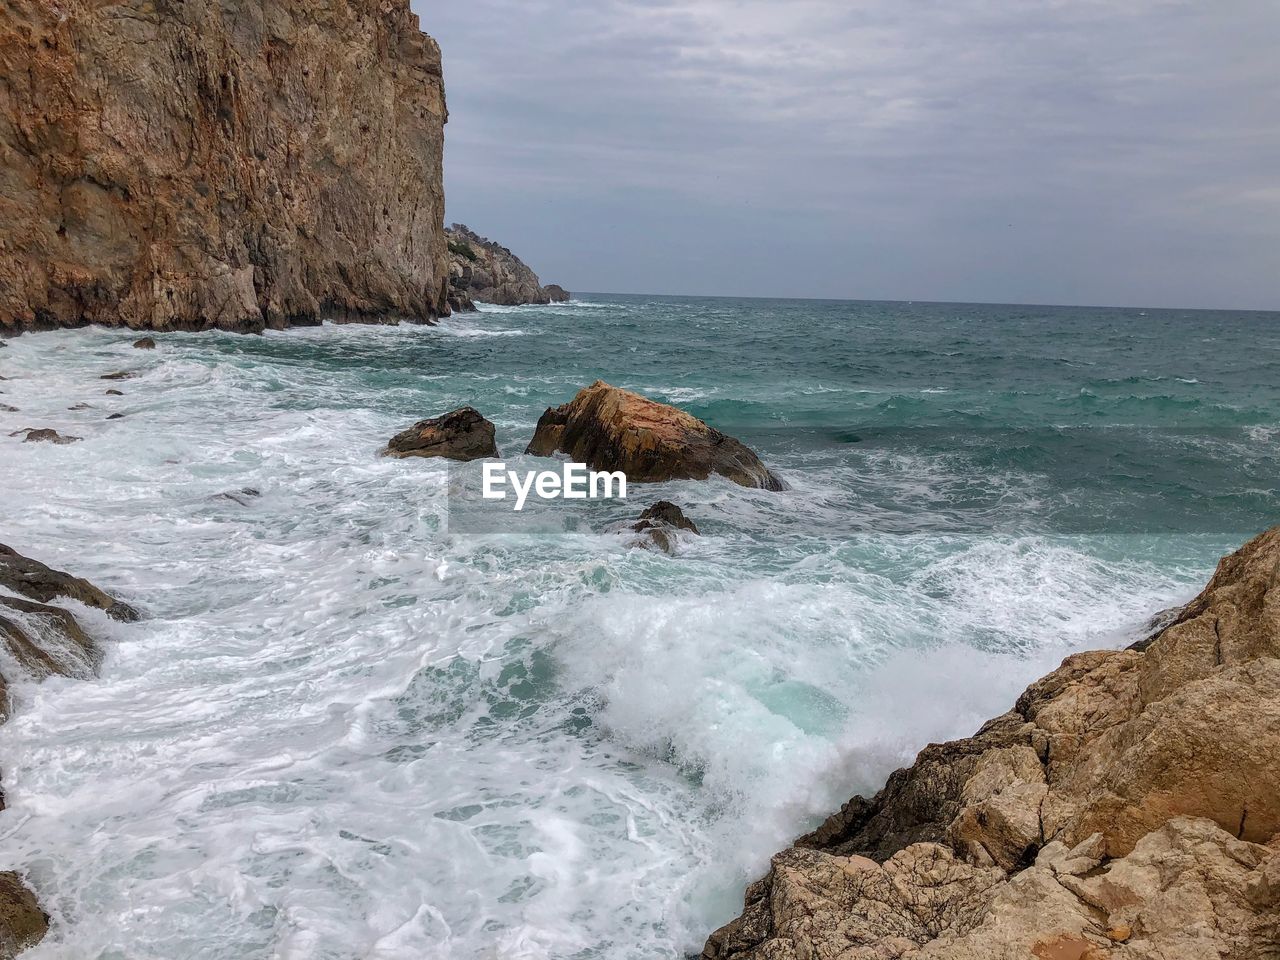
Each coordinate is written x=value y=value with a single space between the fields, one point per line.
x=1067 y=150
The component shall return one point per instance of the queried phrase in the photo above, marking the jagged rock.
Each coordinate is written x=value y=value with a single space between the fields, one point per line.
x=461 y=434
x=22 y=923
x=46 y=641
x=557 y=293
x=612 y=429
x=33 y=579
x=1130 y=801
x=660 y=524
x=43 y=435
x=145 y=343
x=232 y=165
x=486 y=271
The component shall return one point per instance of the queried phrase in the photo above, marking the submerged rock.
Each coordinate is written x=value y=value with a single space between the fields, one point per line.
x=115 y=393
x=612 y=429
x=243 y=496
x=237 y=166
x=1127 y=807
x=119 y=375
x=35 y=580
x=145 y=343
x=8 y=409
x=483 y=270
x=660 y=525
x=43 y=435
x=22 y=923
x=46 y=641
x=461 y=434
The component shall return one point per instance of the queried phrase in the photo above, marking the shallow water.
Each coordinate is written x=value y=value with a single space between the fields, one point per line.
x=348 y=728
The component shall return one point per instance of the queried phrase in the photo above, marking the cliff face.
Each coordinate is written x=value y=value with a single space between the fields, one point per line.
x=1128 y=807
x=240 y=164
x=486 y=271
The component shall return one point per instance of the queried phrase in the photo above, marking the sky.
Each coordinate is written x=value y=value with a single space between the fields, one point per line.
x=1120 y=152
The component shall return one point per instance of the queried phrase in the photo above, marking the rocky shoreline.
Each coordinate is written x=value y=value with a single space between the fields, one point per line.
x=480 y=269
x=41 y=640
x=1127 y=807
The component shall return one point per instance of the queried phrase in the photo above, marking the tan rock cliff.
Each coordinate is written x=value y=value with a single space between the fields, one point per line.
x=237 y=164
x=1127 y=807
x=486 y=271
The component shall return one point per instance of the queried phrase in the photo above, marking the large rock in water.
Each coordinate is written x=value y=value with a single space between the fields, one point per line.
x=486 y=271
x=461 y=434
x=612 y=429
x=22 y=923
x=1128 y=807
x=210 y=163
x=35 y=580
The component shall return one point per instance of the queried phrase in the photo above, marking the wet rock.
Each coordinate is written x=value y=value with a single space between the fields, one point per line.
x=461 y=434
x=8 y=409
x=660 y=525
x=35 y=580
x=243 y=496
x=116 y=416
x=81 y=406
x=1127 y=807
x=115 y=393
x=46 y=641
x=612 y=429
x=22 y=923
x=119 y=375
x=145 y=343
x=43 y=435
x=557 y=293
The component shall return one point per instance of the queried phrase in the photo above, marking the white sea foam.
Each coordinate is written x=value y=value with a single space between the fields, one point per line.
x=341 y=733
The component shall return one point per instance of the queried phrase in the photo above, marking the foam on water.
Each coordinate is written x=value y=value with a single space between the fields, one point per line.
x=341 y=731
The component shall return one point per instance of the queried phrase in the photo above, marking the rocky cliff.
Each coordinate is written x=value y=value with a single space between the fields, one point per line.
x=486 y=271
x=239 y=164
x=1127 y=807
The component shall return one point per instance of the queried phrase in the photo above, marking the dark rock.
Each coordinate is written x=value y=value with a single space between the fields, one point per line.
x=45 y=435
x=8 y=409
x=660 y=523
x=461 y=434
x=241 y=496
x=119 y=375
x=33 y=579
x=115 y=393
x=116 y=416
x=612 y=429
x=557 y=293
x=146 y=343
x=22 y=923
x=81 y=406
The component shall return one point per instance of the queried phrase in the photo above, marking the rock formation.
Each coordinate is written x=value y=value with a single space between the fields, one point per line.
x=486 y=271
x=461 y=434
x=41 y=640
x=1128 y=807
x=612 y=429
x=660 y=526
x=215 y=164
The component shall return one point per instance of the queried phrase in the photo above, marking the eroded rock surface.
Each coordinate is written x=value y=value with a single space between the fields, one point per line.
x=612 y=429
x=40 y=582
x=461 y=434
x=1127 y=807
x=216 y=164
x=660 y=526
x=483 y=270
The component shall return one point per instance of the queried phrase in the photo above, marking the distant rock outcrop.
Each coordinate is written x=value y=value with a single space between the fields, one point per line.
x=486 y=271
x=1127 y=807
x=210 y=164
x=612 y=429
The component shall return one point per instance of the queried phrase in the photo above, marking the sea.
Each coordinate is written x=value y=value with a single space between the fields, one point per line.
x=357 y=721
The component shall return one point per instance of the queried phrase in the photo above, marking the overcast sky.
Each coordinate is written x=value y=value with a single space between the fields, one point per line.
x=1060 y=151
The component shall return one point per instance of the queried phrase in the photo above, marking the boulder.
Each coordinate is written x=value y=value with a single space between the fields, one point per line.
x=461 y=434
x=557 y=293
x=115 y=393
x=22 y=923
x=43 y=435
x=42 y=583
x=1128 y=807
x=145 y=343
x=660 y=525
x=612 y=429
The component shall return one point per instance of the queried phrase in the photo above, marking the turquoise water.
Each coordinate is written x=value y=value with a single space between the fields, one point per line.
x=353 y=726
